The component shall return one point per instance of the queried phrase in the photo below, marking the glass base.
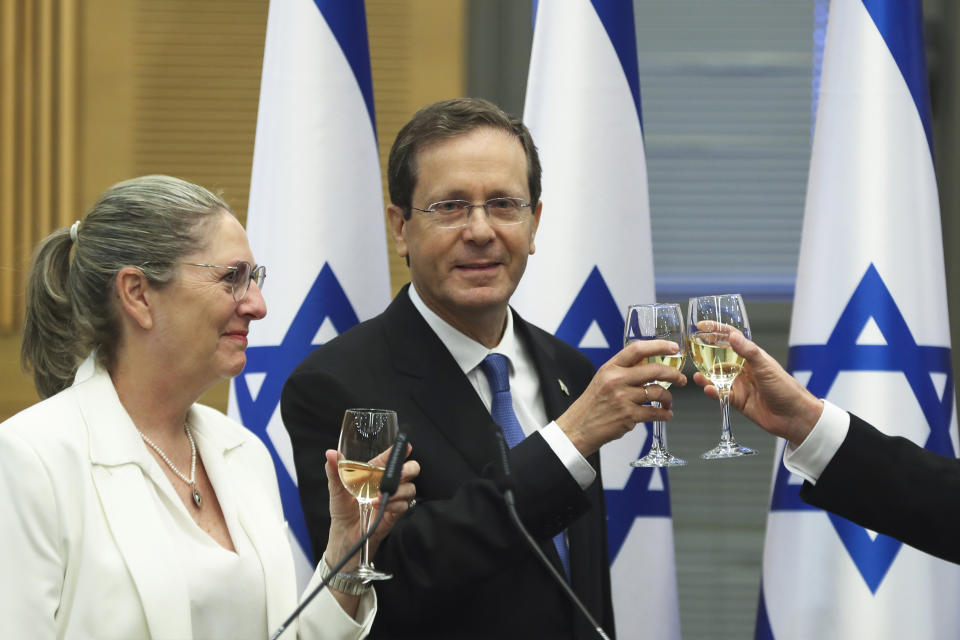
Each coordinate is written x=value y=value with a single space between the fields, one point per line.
x=368 y=574
x=658 y=459
x=727 y=450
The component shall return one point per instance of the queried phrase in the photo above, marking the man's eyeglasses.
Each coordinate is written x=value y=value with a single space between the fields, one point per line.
x=453 y=214
x=241 y=275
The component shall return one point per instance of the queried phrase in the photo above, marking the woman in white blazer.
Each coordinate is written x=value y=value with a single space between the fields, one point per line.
x=126 y=509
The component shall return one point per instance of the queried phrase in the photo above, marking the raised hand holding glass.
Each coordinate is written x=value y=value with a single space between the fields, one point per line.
x=657 y=322
x=711 y=319
x=365 y=434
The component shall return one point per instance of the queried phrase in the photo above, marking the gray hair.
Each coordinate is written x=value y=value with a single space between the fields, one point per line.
x=149 y=223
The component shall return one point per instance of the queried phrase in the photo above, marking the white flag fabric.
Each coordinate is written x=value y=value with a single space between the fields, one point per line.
x=315 y=216
x=594 y=258
x=869 y=332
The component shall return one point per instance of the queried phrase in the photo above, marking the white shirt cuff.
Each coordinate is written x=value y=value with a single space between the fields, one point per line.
x=817 y=450
x=576 y=464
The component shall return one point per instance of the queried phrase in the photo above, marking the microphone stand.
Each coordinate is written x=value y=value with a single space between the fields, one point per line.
x=388 y=486
x=504 y=482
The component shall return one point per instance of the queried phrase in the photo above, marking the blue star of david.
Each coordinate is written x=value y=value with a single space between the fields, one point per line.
x=326 y=299
x=871 y=299
x=595 y=303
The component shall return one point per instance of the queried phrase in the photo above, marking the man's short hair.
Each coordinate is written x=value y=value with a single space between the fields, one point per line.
x=445 y=120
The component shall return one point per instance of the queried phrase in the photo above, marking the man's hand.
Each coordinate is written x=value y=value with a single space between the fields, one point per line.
x=619 y=394
x=345 y=512
x=767 y=394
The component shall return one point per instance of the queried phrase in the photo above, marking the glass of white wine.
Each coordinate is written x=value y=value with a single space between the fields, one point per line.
x=657 y=322
x=710 y=321
x=365 y=434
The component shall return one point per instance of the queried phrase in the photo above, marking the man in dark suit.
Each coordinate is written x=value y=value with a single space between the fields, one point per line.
x=887 y=484
x=464 y=183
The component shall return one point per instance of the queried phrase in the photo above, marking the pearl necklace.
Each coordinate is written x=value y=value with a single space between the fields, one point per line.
x=191 y=481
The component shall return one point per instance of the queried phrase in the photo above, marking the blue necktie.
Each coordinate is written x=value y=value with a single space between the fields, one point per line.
x=497 y=369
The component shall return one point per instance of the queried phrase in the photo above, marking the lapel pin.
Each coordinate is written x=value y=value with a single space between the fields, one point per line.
x=563 y=387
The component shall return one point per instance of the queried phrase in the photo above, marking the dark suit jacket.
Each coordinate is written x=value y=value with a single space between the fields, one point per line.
x=460 y=568
x=892 y=486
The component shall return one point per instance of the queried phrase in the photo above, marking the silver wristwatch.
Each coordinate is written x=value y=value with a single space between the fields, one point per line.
x=343 y=583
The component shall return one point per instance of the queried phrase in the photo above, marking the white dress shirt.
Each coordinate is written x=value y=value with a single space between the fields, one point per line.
x=816 y=451
x=524 y=385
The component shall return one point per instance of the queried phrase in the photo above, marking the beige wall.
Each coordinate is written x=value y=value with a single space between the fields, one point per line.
x=130 y=87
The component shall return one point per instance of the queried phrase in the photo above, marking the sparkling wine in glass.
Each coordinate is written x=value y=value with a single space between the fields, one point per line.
x=657 y=322
x=365 y=434
x=711 y=319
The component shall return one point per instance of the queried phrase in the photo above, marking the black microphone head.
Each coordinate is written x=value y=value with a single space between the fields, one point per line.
x=501 y=464
x=391 y=474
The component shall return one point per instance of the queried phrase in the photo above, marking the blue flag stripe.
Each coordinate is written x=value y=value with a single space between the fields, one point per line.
x=901 y=25
x=348 y=22
x=763 y=631
x=617 y=19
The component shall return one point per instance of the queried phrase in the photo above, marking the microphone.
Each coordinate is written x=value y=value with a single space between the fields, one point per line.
x=504 y=481
x=501 y=471
x=388 y=486
x=391 y=474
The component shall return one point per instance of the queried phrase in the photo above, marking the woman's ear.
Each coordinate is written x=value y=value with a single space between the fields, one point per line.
x=132 y=290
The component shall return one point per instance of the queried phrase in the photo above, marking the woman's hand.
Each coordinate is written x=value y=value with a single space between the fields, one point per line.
x=345 y=513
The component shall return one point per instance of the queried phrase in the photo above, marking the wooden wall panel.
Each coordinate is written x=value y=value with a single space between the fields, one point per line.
x=9 y=48
x=106 y=79
x=196 y=87
x=39 y=129
x=39 y=49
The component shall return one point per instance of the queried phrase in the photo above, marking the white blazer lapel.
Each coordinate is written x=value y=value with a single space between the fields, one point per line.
x=272 y=546
x=235 y=459
x=118 y=457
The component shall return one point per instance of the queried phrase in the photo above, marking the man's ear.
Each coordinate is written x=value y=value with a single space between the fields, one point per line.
x=536 y=225
x=398 y=225
x=133 y=292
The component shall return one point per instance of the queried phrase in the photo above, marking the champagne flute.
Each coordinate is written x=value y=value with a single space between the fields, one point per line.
x=365 y=434
x=711 y=319
x=657 y=322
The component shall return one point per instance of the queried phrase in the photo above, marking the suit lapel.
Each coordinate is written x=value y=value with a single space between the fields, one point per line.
x=555 y=403
x=118 y=460
x=553 y=387
x=557 y=397
x=437 y=384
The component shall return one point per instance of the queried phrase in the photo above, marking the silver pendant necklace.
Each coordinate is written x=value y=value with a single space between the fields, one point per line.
x=191 y=481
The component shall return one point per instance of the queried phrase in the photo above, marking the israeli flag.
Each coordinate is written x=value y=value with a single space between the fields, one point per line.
x=594 y=258
x=315 y=216
x=869 y=332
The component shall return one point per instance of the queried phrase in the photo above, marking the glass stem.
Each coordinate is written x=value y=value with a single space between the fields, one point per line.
x=726 y=437
x=658 y=444
x=366 y=510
